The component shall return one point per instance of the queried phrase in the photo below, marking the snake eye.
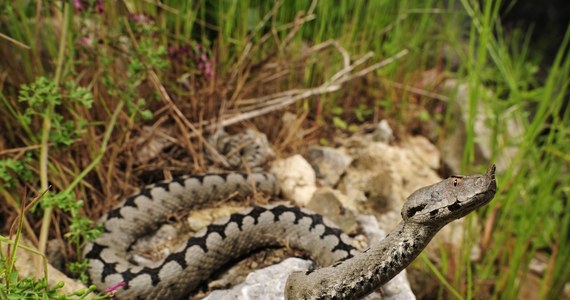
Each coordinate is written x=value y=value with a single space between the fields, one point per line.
x=455 y=182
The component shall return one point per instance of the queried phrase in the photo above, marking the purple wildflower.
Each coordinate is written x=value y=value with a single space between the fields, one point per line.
x=141 y=18
x=99 y=6
x=179 y=53
x=203 y=63
x=439 y=109
x=86 y=41
x=115 y=287
x=78 y=5
x=200 y=57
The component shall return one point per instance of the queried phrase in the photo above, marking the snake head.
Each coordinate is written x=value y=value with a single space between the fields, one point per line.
x=450 y=199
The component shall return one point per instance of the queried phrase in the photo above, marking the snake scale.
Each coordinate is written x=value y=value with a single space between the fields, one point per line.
x=349 y=275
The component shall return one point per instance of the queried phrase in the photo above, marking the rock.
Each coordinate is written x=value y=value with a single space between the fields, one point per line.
x=371 y=228
x=55 y=254
x=27 y=262
x=296 y=179
x=538 y=263
x=336 y=207
x=198 y=219
x=329 y=163
x=267 y=283
x=424 y=150
x=384 y=175
x=293 y=124
x=398 y=288
x=383 y=133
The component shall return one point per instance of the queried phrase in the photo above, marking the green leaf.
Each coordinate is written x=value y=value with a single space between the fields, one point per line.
x=339 y=123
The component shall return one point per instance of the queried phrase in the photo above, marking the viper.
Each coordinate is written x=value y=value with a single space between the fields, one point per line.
x=345 y=273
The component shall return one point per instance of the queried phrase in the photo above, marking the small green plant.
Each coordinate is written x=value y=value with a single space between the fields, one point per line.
x=12 y=169
x=28 y=288
x=81 y=229
x=362 y=111
x=43 y=98
x=13 y=287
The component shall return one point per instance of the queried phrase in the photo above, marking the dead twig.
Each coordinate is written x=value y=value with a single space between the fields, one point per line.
x=417 y=91
x=266 y=104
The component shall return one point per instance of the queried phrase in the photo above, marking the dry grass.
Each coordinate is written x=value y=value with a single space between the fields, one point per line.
x=300 y=72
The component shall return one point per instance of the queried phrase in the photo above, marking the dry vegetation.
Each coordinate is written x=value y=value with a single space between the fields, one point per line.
x=130 y=89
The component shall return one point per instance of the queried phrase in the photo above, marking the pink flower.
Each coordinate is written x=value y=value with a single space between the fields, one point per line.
x=80 y=5
x=141 y=18
x=203 y=63
x=115 y=287
x=99 y=6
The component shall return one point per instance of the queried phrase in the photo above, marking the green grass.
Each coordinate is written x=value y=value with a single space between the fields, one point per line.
x=75 y=87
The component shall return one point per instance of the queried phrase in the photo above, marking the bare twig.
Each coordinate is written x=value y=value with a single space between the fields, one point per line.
x=14 y=41
x=182 y=121
x=379 y=64
x=267 y=104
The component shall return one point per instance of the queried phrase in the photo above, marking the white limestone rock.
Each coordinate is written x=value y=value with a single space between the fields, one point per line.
x=296 y=179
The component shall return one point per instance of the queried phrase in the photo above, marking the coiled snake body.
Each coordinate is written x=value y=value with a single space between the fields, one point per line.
x=352 y=276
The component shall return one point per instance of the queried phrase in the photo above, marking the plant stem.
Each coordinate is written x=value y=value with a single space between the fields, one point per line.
x=46 y=127
x=102 y=150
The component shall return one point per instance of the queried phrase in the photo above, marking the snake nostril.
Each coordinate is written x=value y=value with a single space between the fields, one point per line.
x=455 y=206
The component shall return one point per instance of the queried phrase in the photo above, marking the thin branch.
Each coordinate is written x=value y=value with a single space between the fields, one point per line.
x=281 y=100
x=417 y=91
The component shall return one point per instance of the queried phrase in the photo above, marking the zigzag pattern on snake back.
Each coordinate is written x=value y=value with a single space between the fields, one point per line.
x=353 y=275
x=193 y=262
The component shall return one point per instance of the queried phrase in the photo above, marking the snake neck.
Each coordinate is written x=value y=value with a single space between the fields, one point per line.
x=350 y=279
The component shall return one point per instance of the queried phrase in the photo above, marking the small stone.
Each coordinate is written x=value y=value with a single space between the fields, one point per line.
x=267 y=283
x=539 y=263
x=328 y=203
x=371 y=228
x=27 y=263
x=296 y=179
x=383 y=133
x=384 y=175
x=329 y=163
x=424 y=150
x=398 y=288
x=55 y=254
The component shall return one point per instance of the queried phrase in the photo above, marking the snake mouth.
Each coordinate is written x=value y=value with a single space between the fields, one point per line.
x=481 y=199
x=484 y=197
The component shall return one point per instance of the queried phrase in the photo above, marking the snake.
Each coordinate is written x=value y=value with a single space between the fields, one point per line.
x=345 y=272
